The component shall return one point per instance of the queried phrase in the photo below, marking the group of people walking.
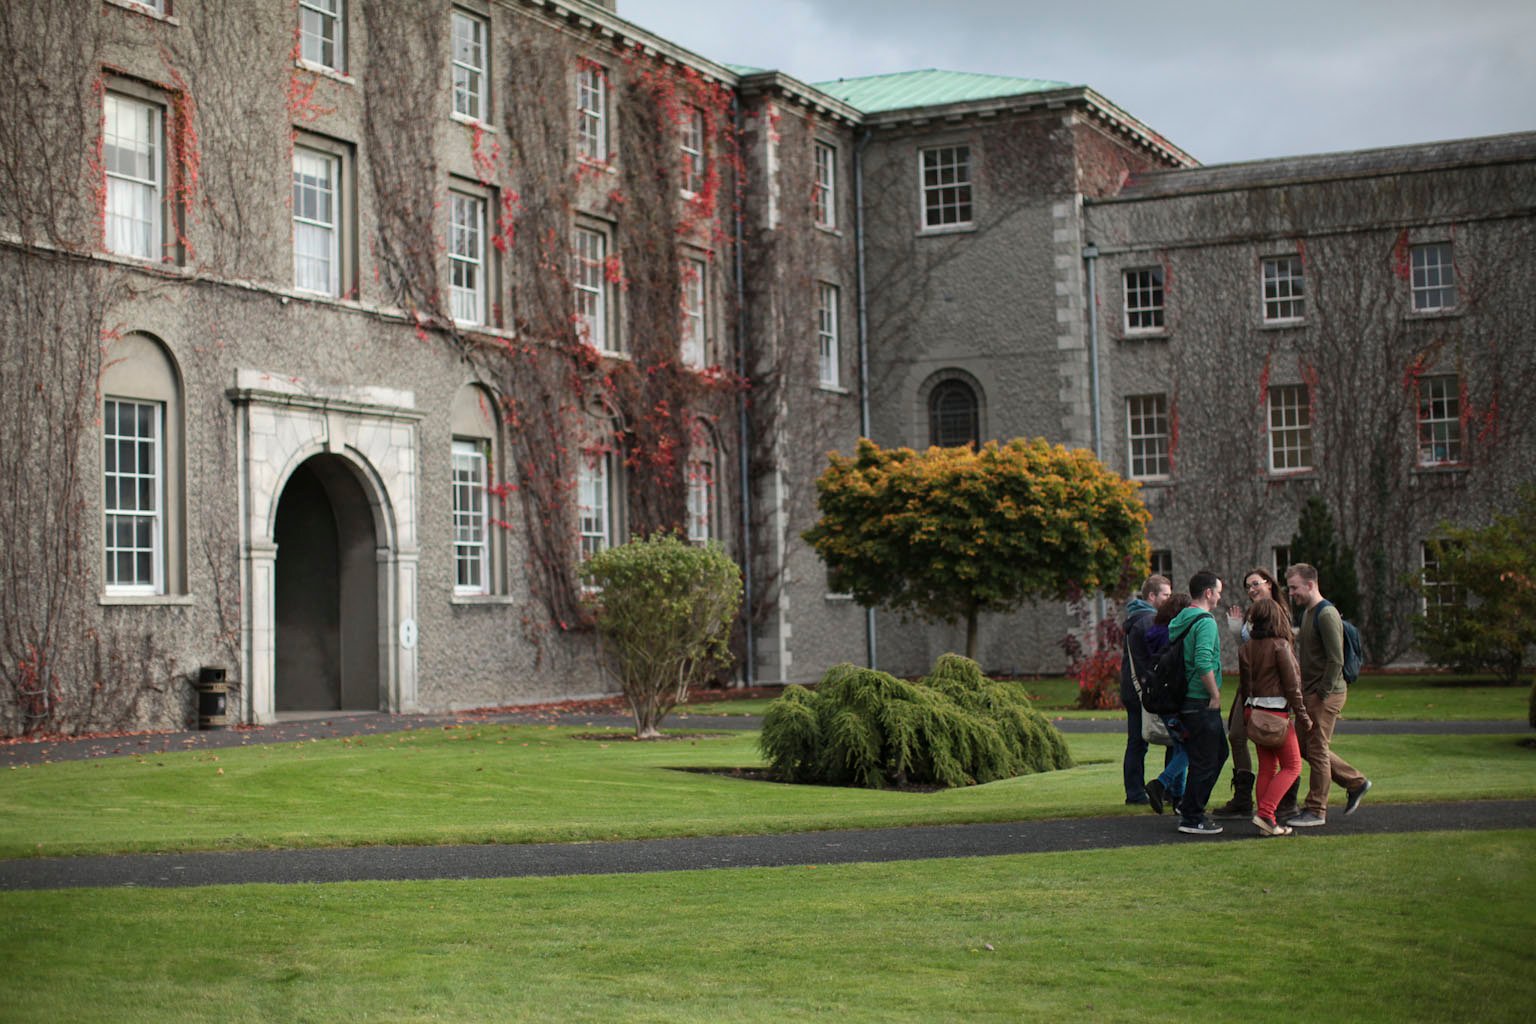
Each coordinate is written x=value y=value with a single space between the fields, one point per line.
x=1291 y=691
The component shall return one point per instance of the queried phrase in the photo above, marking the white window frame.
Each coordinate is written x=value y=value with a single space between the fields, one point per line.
x=1283 y=289
x=948 y=198
x=827 y=349
x=315 y=16
x=469 y=42
x=691 y=141
x=701 y=497
x=1439 y=420
x=592 y=114
x=467 y=264
x=589 y=276
x=594 y=502
x=695 y=281
x=1145 y=310
x=471 y=517
x=1435 y=596
x=115 y=478
x=1432 y=268
x=138 y=191
x=1147 y=436
x=1161 y=562
x=315 y=226
x=824 y=190
x=1290 y=429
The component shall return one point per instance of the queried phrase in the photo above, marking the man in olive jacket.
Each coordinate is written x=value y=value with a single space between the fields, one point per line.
x=1320 y=650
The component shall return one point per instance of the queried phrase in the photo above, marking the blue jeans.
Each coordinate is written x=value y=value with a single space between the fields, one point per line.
x=1174 y=767
x=1207 y=749
x=1134 y=766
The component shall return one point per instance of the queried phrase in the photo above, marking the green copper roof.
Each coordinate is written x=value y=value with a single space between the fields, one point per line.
x=877 y=93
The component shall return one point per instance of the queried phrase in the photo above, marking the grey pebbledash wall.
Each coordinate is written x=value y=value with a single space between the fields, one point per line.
x=261 y=379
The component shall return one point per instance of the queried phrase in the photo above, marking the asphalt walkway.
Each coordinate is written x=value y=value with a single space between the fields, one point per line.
x=418 y=863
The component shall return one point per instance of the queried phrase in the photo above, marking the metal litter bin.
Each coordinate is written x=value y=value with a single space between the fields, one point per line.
x=212 y=698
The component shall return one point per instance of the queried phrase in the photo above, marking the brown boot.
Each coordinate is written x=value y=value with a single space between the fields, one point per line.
x=1241 y=804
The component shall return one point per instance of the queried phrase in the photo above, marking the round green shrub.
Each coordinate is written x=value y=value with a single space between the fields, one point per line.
x=664 y=611
x=862 y=727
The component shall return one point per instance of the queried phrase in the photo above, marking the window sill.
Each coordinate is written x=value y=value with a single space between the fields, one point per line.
x=305 y=293
x=325 y=72
x=1154 y=482
x=838 y=598
x=1434 y=314
x=129 y=5
x=594 y=164
x=830 y=229
x=490 y=600
x=833 y=389
x=1440 y=468
x=1280 y=475
x=161 y=600
x=162 y=263
x=473 y=122
x=947 y=229
x=1282 y=325
x=1159 y=335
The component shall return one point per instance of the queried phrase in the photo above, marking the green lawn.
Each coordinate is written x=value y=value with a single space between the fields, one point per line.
x=492 y=783
x=1372 y=697
x=1432 y=927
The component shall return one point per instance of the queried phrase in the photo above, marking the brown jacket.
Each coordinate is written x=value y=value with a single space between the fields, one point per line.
x=1267 y=667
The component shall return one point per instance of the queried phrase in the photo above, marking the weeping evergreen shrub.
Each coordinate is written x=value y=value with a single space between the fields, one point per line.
x=861 y=727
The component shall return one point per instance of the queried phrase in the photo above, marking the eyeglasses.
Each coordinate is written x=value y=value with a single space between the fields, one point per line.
x=1255 y=584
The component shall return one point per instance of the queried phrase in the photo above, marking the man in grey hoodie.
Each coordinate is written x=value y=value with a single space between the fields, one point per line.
x=1139 y=612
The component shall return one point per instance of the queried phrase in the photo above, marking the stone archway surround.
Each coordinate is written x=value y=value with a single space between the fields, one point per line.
x=281 y=422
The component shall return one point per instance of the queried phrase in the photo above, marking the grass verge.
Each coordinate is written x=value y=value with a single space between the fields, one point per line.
x=492 y=783
x=1430 y=927
x=1385 y=697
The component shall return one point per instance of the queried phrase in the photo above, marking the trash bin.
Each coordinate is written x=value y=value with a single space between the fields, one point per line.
x=212 y=698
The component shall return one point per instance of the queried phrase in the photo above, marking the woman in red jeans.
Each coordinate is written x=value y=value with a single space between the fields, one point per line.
x=1271 y=683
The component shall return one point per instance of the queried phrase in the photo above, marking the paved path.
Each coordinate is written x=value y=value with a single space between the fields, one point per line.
x=397 y=863
x=366 y=723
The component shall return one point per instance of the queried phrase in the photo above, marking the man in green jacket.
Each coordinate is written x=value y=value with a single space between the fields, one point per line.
x=1320 y=651
x=1206 y=744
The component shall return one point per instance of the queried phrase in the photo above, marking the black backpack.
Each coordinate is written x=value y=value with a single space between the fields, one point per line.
x=1352 y=649
x=1166 y=686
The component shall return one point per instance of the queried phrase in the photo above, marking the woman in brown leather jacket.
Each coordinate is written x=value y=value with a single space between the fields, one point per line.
x=1271 y=685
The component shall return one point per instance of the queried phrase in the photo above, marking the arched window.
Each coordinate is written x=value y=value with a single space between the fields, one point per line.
x=141 y=463
x=954 y=415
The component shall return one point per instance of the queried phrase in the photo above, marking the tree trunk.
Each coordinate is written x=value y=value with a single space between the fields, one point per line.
x=645 y=718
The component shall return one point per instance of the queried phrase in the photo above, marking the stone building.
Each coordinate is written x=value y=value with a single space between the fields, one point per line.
x=337 y=333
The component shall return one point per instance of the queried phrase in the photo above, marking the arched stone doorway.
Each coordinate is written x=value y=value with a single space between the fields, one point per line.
x=327 y=592
x=338 y=465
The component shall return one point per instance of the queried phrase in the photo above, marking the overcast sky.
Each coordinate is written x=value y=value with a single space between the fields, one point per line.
x=1232 y=80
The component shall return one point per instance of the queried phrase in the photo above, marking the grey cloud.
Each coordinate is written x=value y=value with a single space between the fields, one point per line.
x=1226 y=81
